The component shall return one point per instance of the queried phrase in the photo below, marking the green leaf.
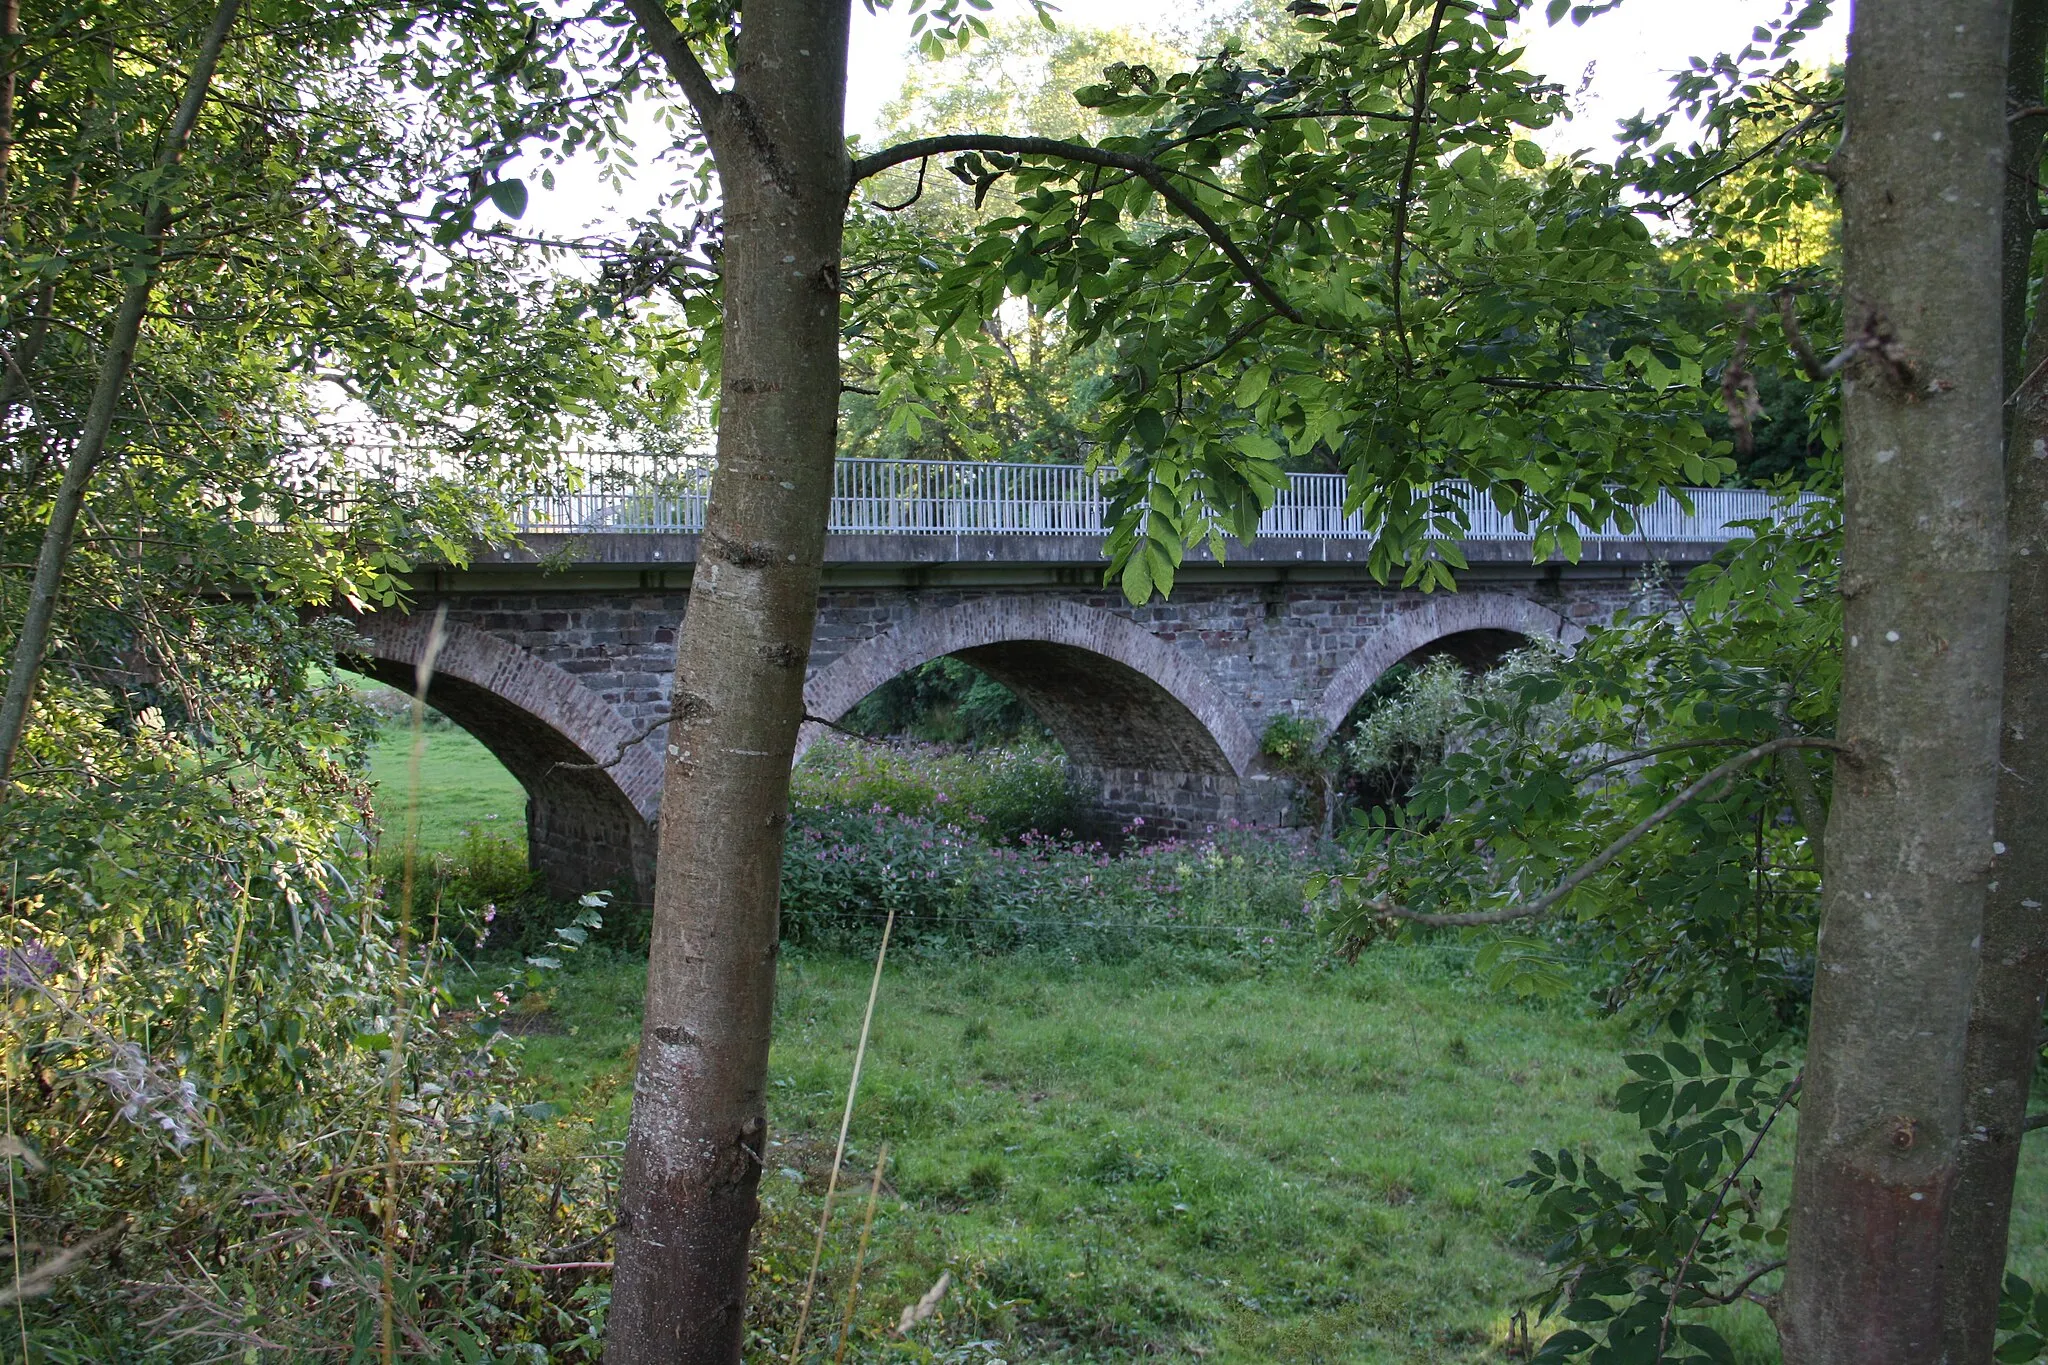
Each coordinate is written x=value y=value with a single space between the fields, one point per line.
x=1565 y=1345
x=1257 y=445
x=1528 y=154
x=1681 y=1059
x=1137 y=580
x=509 y=196
x=1709 y=1341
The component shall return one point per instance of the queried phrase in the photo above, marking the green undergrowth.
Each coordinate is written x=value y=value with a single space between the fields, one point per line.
x=1134 y=1111
x=994 y=794
x=1179 y=1157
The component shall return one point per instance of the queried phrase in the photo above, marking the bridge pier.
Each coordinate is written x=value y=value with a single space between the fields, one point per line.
x=1176 y=803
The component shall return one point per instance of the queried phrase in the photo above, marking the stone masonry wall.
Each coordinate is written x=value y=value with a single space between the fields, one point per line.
x=1213 y=665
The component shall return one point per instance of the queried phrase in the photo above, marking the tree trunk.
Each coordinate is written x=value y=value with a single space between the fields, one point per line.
x=1924 y=581
x=115 y=363
x=699 y=1126
x=2012 y=976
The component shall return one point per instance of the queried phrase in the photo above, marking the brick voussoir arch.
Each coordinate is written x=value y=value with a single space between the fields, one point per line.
x=1443 y=614
x=547 y=693
x=836 y=689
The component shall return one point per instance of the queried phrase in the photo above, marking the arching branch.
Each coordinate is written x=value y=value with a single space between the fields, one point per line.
x=674 y=50
x=1592 y=866
x=923 y=164
x=1151 y=172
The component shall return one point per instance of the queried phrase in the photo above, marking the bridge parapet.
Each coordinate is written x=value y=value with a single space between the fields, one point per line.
x=961 y=498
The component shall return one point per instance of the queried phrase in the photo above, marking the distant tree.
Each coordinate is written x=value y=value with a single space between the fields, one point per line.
x=1032 y=395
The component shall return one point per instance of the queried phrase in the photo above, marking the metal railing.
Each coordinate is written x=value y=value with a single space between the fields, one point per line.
x=933 y=497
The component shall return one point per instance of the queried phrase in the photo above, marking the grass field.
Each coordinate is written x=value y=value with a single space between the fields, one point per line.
x=1163 y=1160
x=460 y=785
x=1184 y=1157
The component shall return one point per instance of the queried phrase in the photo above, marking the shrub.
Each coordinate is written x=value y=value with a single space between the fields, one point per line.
x=203 y=990
x=949 y=701
x=924 y=845
x=1001 y=794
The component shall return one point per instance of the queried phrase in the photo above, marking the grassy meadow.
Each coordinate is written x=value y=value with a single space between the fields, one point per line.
x=1205 y=1149
x=461 y=786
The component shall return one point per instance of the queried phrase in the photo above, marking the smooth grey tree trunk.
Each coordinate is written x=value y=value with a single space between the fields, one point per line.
x=1909 y=836
x=2012 y=976
x=699 y=1126
x=115 y=363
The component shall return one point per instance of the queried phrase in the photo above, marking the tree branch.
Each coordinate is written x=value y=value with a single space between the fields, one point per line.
x=674 y=50
x=1508 y=381
x=923 y=164
x=1243 y=330
x=1151 y=172
x=1636 y=755
x=1586 y=870
x=1799 y=782
x=1822 y=113
x=1742 y=1286
x=1404 y=194
x=1809 y=362
x=1720 y=1198
x=2034 y=1121
x=618 y=750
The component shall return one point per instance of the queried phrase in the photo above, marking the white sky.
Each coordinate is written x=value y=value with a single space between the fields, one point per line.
x=1633 y=52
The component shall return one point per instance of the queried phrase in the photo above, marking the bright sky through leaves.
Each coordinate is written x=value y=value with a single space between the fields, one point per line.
x=1633 y=53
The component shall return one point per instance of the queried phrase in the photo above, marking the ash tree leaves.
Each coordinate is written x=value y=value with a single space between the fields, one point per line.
x=1238 y=256
x=2022 y=1323
x=1687 y=1228
x=1548 y=767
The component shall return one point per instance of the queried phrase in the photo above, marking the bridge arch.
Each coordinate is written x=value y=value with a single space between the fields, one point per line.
x=592 y=787
x=1480 y=617
x=1140 y=721
x=1115 y=694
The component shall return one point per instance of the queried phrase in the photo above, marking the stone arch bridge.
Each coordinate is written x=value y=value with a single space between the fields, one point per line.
x=558 y=653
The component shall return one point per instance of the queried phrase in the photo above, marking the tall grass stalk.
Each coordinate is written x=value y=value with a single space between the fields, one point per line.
x=860 y=1256
x=387 y=1337
x=860 y=1056
x=227 y=1014
x=7 y=1085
